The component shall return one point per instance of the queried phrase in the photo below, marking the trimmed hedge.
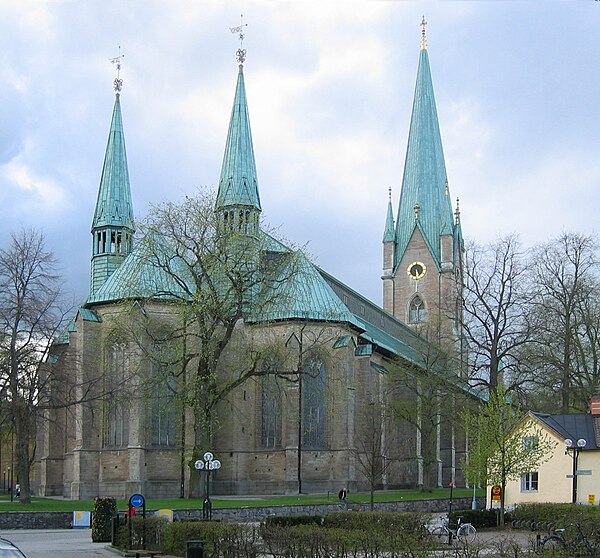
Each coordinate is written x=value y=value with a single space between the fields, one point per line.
x=548 y=516
x=104 y=511
x=343 y=534
x=478 y=518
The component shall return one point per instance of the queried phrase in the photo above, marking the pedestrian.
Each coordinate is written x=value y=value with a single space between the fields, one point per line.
x=342 y=494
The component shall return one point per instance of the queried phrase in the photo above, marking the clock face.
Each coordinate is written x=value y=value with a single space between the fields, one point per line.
x=416 y=270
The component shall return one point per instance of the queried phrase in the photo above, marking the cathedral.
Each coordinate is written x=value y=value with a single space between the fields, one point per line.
x=314 y=424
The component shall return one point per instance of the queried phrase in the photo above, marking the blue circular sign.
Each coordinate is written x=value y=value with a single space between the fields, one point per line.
x=137 y=501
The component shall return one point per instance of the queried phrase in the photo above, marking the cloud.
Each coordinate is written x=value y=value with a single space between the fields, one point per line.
x=32 y=192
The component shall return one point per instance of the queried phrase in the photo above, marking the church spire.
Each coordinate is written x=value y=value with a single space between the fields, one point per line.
x=389 y=233
x=112 y=225
x=238 y=200
x=424 y=180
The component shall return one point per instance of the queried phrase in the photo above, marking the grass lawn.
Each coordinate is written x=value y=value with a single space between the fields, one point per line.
x=49 y=504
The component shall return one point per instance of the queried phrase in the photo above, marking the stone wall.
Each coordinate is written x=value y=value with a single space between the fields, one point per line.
x=64 y=520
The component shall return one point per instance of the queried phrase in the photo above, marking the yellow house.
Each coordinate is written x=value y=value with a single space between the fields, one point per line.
x=572 y=472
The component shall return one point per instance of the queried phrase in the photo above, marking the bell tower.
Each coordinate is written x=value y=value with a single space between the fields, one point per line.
x=423 y=247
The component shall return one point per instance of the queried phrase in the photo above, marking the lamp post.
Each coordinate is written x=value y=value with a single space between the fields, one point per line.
x=10 y=484
x=208 y=463
x=573 y=449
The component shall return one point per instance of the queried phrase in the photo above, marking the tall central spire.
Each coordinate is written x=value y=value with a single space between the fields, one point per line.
x=113 y=225
x=424 y=184
x=238 y=200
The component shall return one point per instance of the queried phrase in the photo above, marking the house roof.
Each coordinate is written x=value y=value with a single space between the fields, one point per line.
x=573 y=426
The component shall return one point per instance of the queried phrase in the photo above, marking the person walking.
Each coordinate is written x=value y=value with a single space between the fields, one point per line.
x=342 y=495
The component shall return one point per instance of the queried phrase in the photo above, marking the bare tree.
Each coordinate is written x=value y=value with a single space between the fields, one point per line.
x=372 y=447
x=426 y=395
x=32 y=312
x=565 y=312
x=495 y=301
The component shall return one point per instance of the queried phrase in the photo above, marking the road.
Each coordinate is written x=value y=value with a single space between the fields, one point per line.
x=58 y=543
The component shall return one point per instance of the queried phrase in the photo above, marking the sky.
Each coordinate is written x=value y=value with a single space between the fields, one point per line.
x=330 y=88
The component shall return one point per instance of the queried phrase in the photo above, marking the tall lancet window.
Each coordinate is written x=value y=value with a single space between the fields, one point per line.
x=270 y=424
x=163 y=391
x=314 y=384
x=116 y=415
x=416 y=310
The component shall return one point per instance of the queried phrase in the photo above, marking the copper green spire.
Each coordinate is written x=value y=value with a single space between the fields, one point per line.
x=424 y=184
x=112 y=226
x=389 y=233
x=238 y=185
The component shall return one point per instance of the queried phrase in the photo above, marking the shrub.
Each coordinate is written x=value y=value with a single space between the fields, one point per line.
x=294 y=520
x=558 y=515
x=478 y=518
x=104 y=511
x=140 y=532
x=402 y=522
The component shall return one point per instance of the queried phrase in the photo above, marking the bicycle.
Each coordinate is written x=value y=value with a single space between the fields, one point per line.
x=464 y=532
x=573 y=538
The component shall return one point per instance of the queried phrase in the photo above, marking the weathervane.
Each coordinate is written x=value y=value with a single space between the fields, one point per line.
x=423 y=36
x=241 y=52
x=118 y=83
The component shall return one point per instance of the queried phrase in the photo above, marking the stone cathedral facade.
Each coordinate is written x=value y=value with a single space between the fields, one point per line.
x=271 y=435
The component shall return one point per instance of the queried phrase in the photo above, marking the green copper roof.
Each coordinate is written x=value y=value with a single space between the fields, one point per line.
x=114 y=207
x=389 y=233
x=238 y=185
x=142 y=275
x=300 y=293
x=424 y=180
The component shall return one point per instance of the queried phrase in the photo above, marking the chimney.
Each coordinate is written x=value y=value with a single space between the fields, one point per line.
x=595 y=405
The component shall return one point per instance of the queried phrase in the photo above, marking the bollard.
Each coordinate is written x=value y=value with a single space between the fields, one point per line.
x=194 y=549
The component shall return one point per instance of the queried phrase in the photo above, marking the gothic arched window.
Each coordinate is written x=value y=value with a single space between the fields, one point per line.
x=314 y=383
x=270 y=425
x=163 y=404
x=416 y=310
x=116 y=424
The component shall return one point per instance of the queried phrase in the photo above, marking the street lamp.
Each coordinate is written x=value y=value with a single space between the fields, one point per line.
x=573 y=449
x=208 y=463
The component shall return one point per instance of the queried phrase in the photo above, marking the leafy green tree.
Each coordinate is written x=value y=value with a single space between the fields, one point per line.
x=503 y=446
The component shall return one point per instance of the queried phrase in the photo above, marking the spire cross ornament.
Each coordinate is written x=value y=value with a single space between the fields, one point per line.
x=241 y=52
x=423 y=35
x=118 y=83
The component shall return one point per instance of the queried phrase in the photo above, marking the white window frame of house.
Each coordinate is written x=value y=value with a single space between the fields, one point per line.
x=530 y=482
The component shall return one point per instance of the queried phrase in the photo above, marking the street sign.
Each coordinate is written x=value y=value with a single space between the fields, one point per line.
x=584 y=472
x=496 y=493
x=137 y=501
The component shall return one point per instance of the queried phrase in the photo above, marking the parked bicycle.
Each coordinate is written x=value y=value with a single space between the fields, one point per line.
x=575 y=539
x=464 y=532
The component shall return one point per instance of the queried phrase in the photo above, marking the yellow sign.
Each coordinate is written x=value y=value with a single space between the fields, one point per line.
x=591 y=499
x=496 y=493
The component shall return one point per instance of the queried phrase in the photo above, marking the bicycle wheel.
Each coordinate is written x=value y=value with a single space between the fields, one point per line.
x=552 y=542
x=441 y=535
x=466 y=533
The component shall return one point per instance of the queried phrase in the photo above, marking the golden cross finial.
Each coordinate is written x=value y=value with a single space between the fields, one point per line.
x=457 y=212
x=241 y=52
x=423 y=35
x=390 y=193
x=118 y=83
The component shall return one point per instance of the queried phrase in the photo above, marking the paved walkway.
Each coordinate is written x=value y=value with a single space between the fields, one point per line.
x=58 y=543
